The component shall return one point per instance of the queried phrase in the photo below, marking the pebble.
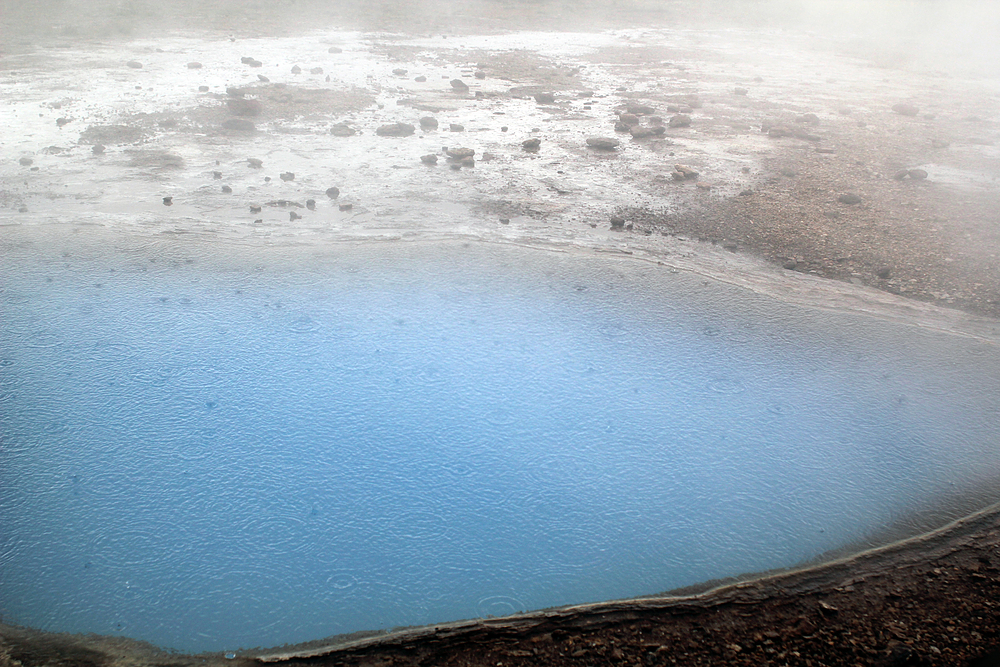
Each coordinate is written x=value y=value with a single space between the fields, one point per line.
x=335 y=49
x=640 y=109
x=311 y=204
x=346 y=207
x=246 y=60
x=134 y=64
x=216 y=175
x=460 y=153
x=202 y=89
x=629 y=119
x=545 y=98
x=399 y=72
x=480 y=74
x=342 y=130
x=430 y=158
x=26 y=162
x=255 y=63
x=428 y=123
x=420 y=79
x=98 y=149
x=740 y=91
x=395 y=130
x=531 y=145
x=680 y=120
x=263 y=78
x=287 y=176
x=254 y=209
x=292 y=216
x=333 y=192
x=168 y=201
x=850 y=199
x=455 y=127
x=617 y=222
x=459 y=86
x=316 y=70
x=296 y=69
x=63 y=121
x=194 y=65
x=255 y=163
x=227 y=190
x=603 y=143
x=687 y=173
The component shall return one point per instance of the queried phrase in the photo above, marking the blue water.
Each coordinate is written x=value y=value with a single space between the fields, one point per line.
x=212 y=447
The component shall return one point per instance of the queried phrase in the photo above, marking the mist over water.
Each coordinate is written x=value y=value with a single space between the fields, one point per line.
x=212 y=455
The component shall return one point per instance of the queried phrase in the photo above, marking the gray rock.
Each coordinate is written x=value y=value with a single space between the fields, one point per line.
x=460 y=153
x=428 y=123
x=311 y=204
x=202 y=89
x=134 y=64
x=255 y=63
x=262 y=78
x=545 y=98
x=617 y=222
x=98 y=149
x=239 y=125
x=455 y=127
x=480 y=74
x=399 y=71
x=430 y=158
x=395 y=130
x=255 y=163
x=740 y=91
x=287 y=176
x=603 y=143
x=459 y=86
x=240 y=106
x=217 y=175
x=808 y=118
x=531 y=145
x=194 y=65
x=420 y=79
x=640 y=109
x=621 y=127
x=346 y=207
x=335 y=49
x=293 y=216
x=227 y=190
x=168 y=201
x=629 y=119
x=917 y=174
x=316 y=70
x=680 y=120
x=687 y=173
x=296 y=69
x=26 y=162
x=333 y=192
x=246 y=60
x=342 y=130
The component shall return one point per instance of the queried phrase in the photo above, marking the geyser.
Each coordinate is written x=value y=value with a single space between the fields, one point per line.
x=212 y=446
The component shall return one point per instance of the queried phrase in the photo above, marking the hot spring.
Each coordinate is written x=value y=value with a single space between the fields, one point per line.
x=220 y=446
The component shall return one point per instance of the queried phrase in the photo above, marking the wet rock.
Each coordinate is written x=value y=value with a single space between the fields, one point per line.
x=685 y=173
x=850 y=199
x=642 y=131
x=311 y=204
x=617 y=222
x=621 y=127
x=917 y=174
x=809 y=118
x=468 y=161
x=63 y=121
x=202 y=89
x=905 y=109
x=238 y=125
x=346 y=207
x=455 y=127
x=545 y=98
x=790 y=264
x=460 y=153
x=333 y=192
x=628 y=119
x=342 y=130
x=216 y=175
x=168 y=201
x=428 y=123
x=98 y=149
x=430 y=158
x=262 y=78
x=399 y=71
x=680 y=120
x=26 y=162
x=287 y=176
x=459 y=86
x=296 y=69
x=531 y=145
x=603 y=143
x=884 y=273
x=334 y=49
x=293 y=216
x=395 y=130
x=740 y=91
x=254 y=163
x=480 y=74
x=227 y=190
x=240 y=106
x=640 y=109
x=194 y=65
x=134 y=64
x=420 y=79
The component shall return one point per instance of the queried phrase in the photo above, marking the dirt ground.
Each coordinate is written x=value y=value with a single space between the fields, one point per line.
x=850 y=189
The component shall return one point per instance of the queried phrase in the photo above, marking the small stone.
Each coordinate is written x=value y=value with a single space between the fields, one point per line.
x=849 y=198
x=287 y=176
x=901 y=174
x=455 y=166
x=459 y=86
x=808 y=118
x=688 y=173
x=703 y=186
x=545 y=98
x=740 y=91
x=311 y=204
x=134 y=64
x=455 y=127
x=503 y=128
x=26 y=162
x=617 y=222
x=884 y=273
x=194 y=65
x=428 y=123
x=296 y=69
x=240 y=106
x=487 y=157
x=98 y=149
x=460 y=153
x=629 y=119
x=255 y=163
x=531 y=145
x=504 y=221
x=639 y=131
x=788 y=173
x=342 y=130
x=168 y=201
x=791 y=264
x=430 y=158
x=292 y=216
x=202 y=89
x=468 y=161
x=255 y=63
x=254 y=208
x=905 y=109
x=621 y=127
x=346 y=207
x=480 y=74
x=603 y=143
x=420 y=79
x=216 y=175
x=917 y=174
x=263 y=79
x=63 y=121
x=680 y=120
x=399 y=71
x=227 y=190
x=246 y=60
x=333 y=192
x=640 y=109
x=395 y=130
x=335 y=49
